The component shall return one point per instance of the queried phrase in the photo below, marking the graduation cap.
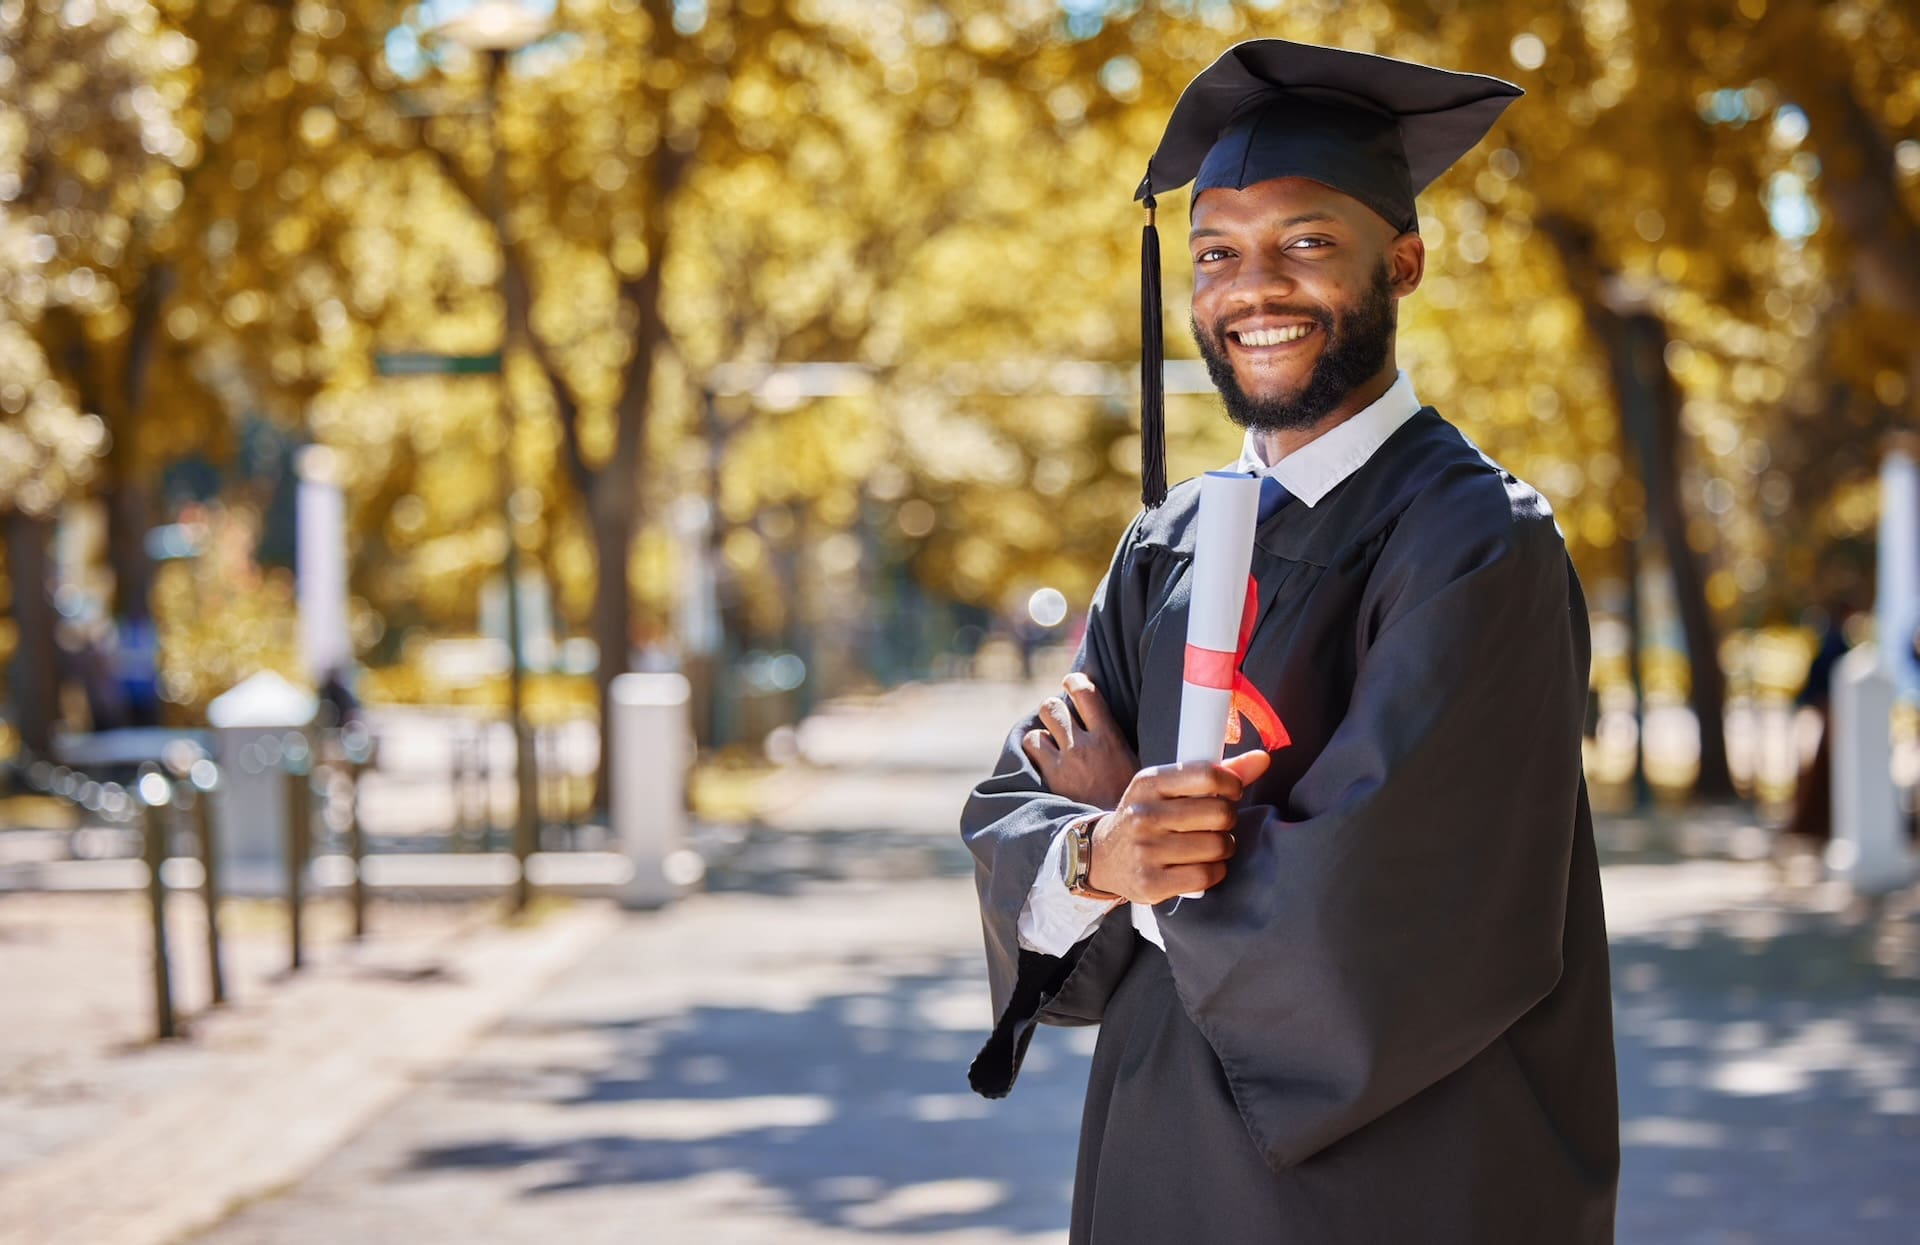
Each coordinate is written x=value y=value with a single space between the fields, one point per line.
x=1368 y=126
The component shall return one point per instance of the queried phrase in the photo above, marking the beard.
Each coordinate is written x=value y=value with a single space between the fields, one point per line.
x=1358 y=344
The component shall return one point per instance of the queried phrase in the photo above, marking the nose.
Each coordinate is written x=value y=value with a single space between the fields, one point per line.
x=1260 y=277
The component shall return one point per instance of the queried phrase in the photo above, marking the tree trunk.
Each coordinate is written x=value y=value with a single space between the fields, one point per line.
x=33 y=680
x=120 y=403
x=607 y=491
x=1646 y=387
x=611 y=514
x=1634 y=341
x=1642 y=792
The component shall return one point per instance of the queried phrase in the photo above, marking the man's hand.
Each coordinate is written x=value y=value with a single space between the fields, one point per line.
x=1172 y=833
x=1091 y=763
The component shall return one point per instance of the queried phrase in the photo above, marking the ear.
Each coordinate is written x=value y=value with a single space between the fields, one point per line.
x=1406 y=263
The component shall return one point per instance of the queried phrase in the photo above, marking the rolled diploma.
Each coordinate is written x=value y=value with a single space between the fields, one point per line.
x=1222 y=556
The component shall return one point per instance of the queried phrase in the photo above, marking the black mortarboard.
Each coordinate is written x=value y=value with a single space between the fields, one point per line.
x=1368 y=126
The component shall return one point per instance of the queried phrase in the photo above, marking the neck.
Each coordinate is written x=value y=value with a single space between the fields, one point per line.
x=1276 y=445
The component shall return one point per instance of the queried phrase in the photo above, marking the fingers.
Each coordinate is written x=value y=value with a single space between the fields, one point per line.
x=1188 y=879
x=1192 y=778
x=1227 y=779
x=1199 y=847
x=1087 y=699
x=1188 y=815
x=1249 y=765
x=1040 y=749
x=1058 y=721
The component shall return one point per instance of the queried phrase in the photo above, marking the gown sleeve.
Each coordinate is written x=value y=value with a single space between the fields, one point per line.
x=1009 y=822
x=1404 y=904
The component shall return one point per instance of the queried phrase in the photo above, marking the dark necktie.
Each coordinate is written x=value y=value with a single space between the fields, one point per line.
x=1273 y=495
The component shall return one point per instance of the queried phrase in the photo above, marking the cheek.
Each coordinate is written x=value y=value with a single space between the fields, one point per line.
x=1206 y=295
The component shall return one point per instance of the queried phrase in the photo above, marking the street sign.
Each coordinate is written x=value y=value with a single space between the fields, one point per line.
x=423 y=363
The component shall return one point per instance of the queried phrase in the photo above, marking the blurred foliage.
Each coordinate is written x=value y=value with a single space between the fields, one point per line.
x=221 y=210
x=226 y=618
x=177 y=182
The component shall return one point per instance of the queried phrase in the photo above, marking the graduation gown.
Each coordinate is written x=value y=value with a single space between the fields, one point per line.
x=1392 y=1021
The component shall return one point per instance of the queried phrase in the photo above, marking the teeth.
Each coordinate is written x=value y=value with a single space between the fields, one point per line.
x=1273 y=337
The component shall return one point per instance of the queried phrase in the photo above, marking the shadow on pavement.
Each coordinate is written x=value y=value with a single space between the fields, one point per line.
x=1770 y=1080
x=766 y=860
x=854 y=1111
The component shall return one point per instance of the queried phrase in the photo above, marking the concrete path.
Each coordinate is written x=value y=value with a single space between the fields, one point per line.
x=139 y=1143
x=744 y=1068
x=783 y=1059
x=758 y=1068
x=1769 y=1051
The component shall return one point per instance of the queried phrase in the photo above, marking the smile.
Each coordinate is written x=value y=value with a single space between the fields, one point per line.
x=1271 y=337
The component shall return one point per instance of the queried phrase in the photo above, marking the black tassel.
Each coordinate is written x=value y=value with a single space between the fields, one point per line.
x=1153 y=396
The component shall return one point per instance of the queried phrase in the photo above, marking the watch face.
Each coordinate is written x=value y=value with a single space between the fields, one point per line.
x=1070 y=860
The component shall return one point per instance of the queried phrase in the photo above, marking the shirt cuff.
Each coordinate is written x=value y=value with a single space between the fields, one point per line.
x=1054 y=918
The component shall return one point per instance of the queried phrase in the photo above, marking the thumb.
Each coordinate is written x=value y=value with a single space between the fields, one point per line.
x=1249 y=765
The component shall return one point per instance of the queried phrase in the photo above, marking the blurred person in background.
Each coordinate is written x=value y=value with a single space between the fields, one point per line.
x=1388 y=1017
x=1812 y=818
x=338 y=705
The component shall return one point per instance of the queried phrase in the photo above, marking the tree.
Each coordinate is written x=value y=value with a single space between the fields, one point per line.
x=186 y=170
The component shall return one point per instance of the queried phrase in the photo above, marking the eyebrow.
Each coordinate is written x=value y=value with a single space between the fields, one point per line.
x=1305 y=218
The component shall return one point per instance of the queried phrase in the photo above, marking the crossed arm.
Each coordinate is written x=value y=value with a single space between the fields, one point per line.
x=1169 y=830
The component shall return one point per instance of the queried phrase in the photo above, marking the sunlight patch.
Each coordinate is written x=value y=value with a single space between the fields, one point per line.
x=1759 y=1077
x=923 y=1201
x=1670 y=1133
x=699 y=1119
x=943 y=1108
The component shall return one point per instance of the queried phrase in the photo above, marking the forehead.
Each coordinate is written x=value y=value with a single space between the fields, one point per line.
x=1278 y=200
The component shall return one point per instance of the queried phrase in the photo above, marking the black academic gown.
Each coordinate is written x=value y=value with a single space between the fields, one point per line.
x=1392 y=1021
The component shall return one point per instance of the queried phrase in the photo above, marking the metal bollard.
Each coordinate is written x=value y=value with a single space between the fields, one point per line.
x=155 y=792
x=483 y=779
x=526 y=830
x=356 y=745
x=299 y=761
x=458 y=785
x=205 y=778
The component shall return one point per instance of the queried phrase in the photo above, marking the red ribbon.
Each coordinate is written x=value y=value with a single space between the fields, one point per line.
x=1208 y=667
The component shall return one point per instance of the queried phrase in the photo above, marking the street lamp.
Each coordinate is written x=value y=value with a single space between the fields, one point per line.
x=497 y=29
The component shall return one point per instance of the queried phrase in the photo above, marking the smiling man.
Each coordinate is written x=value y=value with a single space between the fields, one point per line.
x=1388 y=1017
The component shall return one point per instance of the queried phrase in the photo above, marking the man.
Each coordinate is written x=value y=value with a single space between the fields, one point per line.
x=1388 y=1018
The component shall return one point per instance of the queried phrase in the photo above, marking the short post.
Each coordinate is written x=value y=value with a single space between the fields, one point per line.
x=1869 y=848
x=456 y=781
x=647 y=758
x=553 y=786
x=299 y=838
x=155 y=793
x=356 y=746
x=205 y=777
x=526 y=819
x=483 y=780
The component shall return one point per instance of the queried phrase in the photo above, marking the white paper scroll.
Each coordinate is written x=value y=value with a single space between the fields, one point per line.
x=1222 y=556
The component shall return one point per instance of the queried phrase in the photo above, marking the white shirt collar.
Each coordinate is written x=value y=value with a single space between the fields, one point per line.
x=1311 y=471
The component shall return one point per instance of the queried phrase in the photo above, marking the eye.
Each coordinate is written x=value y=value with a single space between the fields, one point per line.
x=1212 y=254
x=1309 y=243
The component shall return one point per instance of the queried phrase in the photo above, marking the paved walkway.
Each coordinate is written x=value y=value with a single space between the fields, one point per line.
x=783 y=1059
x=113 y=1139
x=757 y=1069
x=744 y=1068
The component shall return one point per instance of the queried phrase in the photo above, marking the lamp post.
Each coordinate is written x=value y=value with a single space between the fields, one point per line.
x=496 y=29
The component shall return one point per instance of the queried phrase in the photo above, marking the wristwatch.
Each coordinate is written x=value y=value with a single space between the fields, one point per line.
x=1076 y=862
